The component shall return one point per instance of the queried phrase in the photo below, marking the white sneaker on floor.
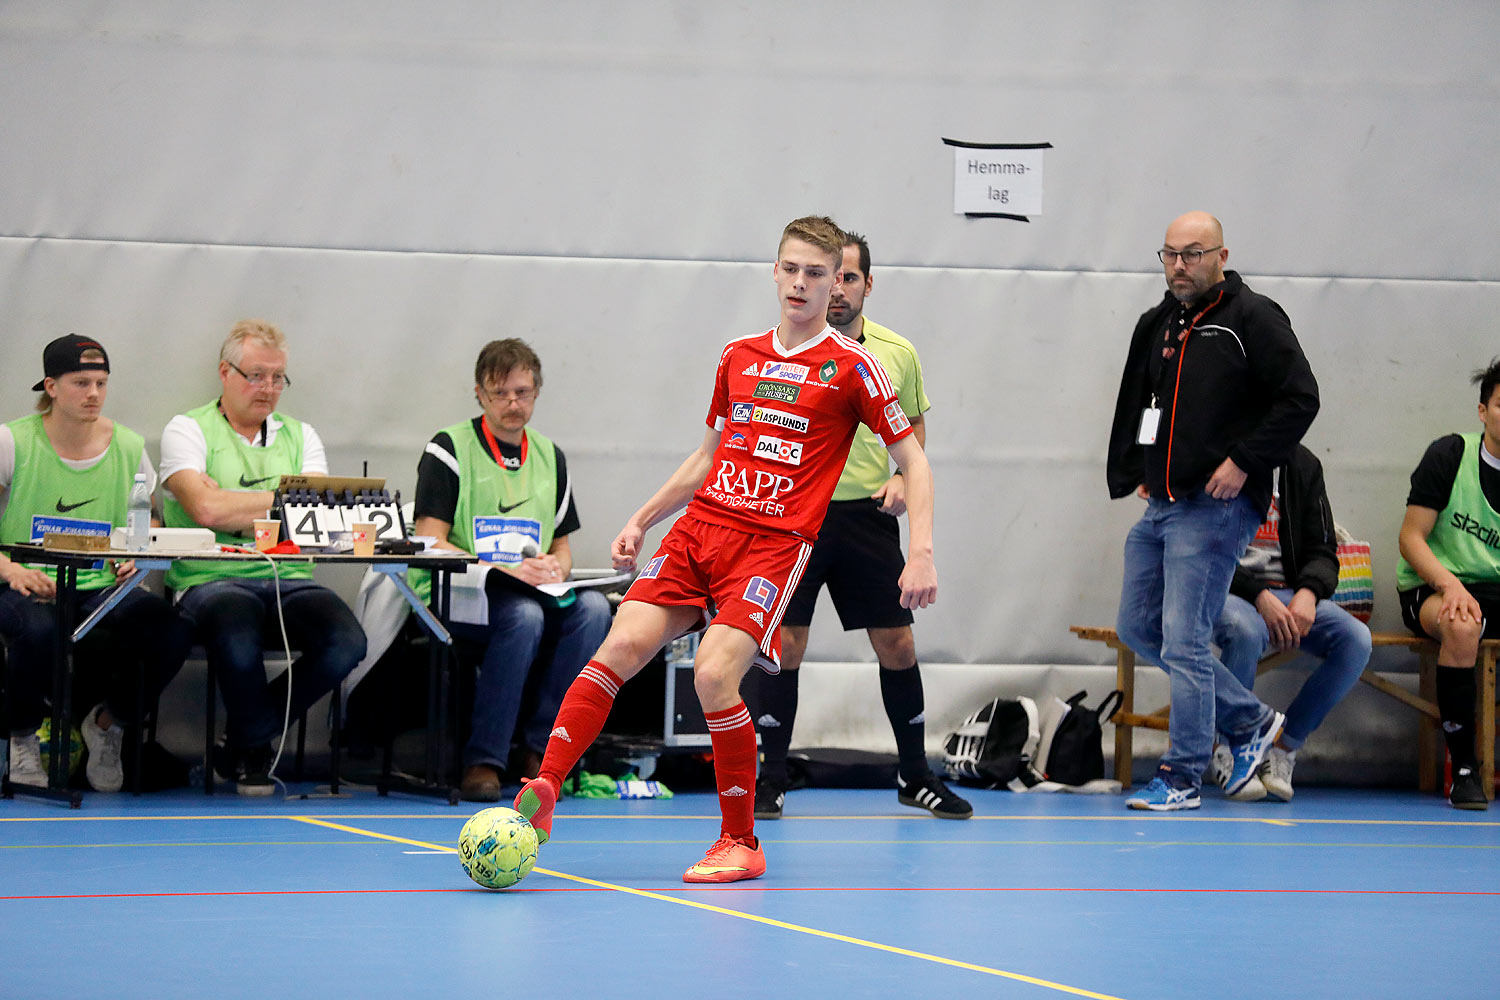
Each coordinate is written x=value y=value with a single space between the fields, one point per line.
x=103 y=769
x=1276 y=773
x=1219 y=765
x=26 y=761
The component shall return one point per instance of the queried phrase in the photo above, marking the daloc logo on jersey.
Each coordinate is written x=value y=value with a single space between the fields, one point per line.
x=864 y=376
x=777 y=390
x=778 y=450
x=785 y=371
x=739 y=413
x=653 y=568
x=761 y=591
x=829 y=370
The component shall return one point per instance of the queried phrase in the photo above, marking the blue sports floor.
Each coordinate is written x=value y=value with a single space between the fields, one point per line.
x=1338 y=894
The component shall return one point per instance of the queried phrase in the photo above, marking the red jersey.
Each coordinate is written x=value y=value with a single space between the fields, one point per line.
x=785 y=420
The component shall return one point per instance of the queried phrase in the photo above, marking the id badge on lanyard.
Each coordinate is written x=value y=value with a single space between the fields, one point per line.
x=1150 y=421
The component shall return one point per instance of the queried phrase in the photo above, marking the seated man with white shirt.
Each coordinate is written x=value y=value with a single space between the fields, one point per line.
x=220 y=464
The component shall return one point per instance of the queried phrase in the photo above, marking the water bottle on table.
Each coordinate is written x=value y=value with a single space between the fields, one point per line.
x=138 y=516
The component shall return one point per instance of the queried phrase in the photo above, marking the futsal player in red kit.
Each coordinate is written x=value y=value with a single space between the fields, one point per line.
x=785 y=405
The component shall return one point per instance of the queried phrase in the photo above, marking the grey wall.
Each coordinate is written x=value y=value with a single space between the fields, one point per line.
x=394 y=184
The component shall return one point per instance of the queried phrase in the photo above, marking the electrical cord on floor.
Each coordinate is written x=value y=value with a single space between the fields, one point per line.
x=286 y=645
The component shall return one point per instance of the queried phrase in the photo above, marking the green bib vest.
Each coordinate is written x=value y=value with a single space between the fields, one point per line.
x=487 y=489
x=234 y=465
x=42 y=484
x=1466 y=537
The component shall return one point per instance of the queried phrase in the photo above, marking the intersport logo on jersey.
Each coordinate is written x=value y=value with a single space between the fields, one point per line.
x=778 y=450
x=784 y=371
x=748 y=489
x=780 y=418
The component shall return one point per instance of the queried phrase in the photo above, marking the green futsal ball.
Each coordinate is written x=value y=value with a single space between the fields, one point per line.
x=75 y=747
x=497 y=847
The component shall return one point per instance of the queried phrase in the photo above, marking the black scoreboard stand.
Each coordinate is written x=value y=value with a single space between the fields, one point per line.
x=313 y=510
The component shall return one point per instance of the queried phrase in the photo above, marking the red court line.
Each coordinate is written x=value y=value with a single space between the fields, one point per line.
x=747 y=887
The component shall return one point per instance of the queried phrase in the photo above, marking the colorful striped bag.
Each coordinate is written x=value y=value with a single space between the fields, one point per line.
x=1356 y=589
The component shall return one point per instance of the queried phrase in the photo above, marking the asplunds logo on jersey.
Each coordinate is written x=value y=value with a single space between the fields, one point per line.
x=778 y=450
x=743 y=489
x=777 y=390
x=779 y=418
x=739 y=413
x=784 y=371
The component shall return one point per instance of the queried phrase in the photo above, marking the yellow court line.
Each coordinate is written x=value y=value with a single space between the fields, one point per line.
x=769 y=922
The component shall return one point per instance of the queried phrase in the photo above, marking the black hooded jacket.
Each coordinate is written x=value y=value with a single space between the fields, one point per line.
x=1237 y=387
x=1309 y=546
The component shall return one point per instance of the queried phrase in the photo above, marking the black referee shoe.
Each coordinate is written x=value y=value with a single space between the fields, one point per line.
x=931 y=794
x=769 y=796
x=1467 y=791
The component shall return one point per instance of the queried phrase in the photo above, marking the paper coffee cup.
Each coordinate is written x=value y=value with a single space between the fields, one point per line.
x=267 y=534
x=364 y=538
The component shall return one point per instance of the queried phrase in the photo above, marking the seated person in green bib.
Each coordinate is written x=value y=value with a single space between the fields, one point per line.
x=70 y=462
x=1449 y=573
x=494 y=487
x=220 y=464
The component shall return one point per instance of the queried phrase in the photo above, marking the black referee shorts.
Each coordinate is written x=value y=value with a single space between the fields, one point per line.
x=1487 y=594
x=858 y=555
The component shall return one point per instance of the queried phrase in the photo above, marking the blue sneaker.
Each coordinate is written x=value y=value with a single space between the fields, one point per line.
x=1163 y=795
x=1249 y=754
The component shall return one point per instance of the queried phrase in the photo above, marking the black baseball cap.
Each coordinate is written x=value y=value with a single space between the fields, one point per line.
x=65 y=354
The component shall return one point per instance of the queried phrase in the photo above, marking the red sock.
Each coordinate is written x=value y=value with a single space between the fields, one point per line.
x=733 y=736
x=584 y=709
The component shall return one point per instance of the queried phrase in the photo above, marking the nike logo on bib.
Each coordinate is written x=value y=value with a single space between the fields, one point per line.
x=247 y=483
x=63 y=508
x=506 y=510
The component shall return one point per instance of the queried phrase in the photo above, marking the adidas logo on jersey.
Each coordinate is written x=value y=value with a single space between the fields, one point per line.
x=752 y=370
x=758 y=618
x=734 y=791
x=562 y=734
x=768 y=721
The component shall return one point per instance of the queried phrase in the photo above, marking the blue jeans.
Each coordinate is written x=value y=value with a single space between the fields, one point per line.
x=512 y=641
x=1342 y=641
x=1179 y=559
x=142 y=629
x=236 y=620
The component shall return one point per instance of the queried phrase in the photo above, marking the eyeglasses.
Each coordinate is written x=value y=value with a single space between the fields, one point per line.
x=1188 y=256
x=510 y=395
x=278 y=379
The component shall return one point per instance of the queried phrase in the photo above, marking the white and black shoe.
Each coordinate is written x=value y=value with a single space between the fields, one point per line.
x=931 y=794
x=1467 y=791
x=769 y=798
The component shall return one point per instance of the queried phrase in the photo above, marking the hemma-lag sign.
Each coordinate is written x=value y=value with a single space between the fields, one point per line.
x=990 y=181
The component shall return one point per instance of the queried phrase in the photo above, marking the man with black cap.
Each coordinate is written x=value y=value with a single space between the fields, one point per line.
x=220 y=463
x=69 y=460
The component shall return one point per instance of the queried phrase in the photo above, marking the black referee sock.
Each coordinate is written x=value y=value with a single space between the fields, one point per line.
x=778 y=710
x=1455 y=697
x=901 y=691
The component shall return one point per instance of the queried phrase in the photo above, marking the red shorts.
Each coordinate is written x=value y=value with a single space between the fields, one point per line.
x=740 y=579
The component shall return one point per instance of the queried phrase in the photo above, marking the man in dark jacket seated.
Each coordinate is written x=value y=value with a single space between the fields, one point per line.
x=1279 y=599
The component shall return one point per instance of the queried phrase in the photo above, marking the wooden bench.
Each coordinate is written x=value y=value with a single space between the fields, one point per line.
x=1430 y=746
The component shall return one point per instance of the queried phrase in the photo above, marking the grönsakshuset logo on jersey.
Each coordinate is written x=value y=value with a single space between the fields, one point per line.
x=735 y=488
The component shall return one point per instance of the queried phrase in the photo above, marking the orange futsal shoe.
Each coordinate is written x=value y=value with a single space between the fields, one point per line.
x=536 y=801
x=729 y=860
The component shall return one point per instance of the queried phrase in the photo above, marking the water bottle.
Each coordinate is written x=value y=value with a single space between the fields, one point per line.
x=138 y=516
